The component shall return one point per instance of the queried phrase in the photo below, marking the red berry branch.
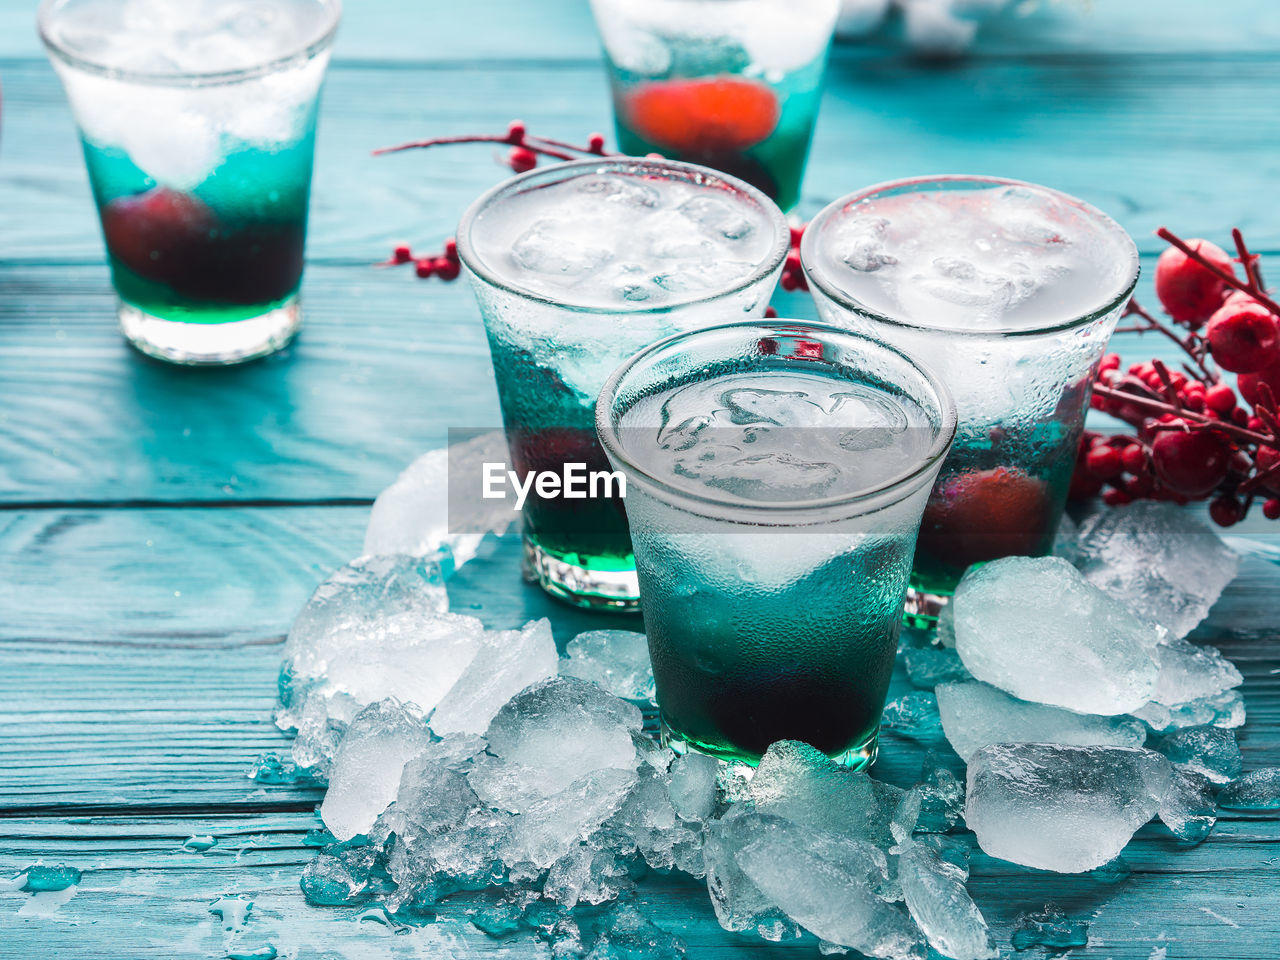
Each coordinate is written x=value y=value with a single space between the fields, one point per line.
x=521 y=158
x=1195 y=437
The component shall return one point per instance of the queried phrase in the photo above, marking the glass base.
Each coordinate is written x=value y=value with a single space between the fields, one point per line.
x=211 y=343
x=616 y=590
x=858 y=757
x=922 y=608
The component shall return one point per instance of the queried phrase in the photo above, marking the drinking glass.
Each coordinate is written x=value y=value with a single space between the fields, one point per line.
x=198 y=125
x=776 y=474
x=1010 y=291
x=732 y=84
x=575 y=267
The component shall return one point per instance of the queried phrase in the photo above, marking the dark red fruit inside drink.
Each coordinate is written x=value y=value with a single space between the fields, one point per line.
x=984 y=514
x=705 y=115
x=167 y=237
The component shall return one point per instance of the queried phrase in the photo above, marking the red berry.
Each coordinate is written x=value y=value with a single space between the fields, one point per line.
x=1238 y=298
x=1115 y=498
x=1187 y=290
x=451 y=249
x=985 y=514
x=1239 y=417
x=1104 y=462
x=1271 y=509
x=595 y=143
x=1194 y=401
x=1267 y=460
x=1110 y=362
x=1139 y=486
x=1190 y=462
x=522 y=159
x=1255 y=424
x=402 y=254
x=1250 y=384
x=1226 y=510
x=515 y=132
x=788 y=281
x=797 y=234
x=447 y=269
x=705 y=114
x=1220 y=398
x=424 y=267
x=160 y=234
x=1134 y=458
x=770 y=313
x=1244 y=339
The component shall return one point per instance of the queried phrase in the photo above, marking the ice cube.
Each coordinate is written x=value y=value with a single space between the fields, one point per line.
x=1049 y=928
x=1159 y=559
x=1189 y=672
x=412 y=655
x=630 y=936
x=416 y=515
x=558 y=247
x=351 y=604
x=547 y=829
x=941 y=906
x=562 y=729
x=1211 y=752
x=716 y=217
x=366 y=772
x=795 y=781
x=1224 y=710
x=914 y=715
x=829 y=885
x=623 y=192
x=932 y=28
x=862 y=242
x=693 y=785
x=588 y=873
x=860 y=17
x=975 y=715
x=506 y=663
x=1037 y=629
x=1187 y=808
x=329 y=881
x=739 y=904
x=649 y=822
x=928 y=666
x=617 y=660
x=1256 y=790
x=941 y=798
x=946 y=627
x=1062 y=808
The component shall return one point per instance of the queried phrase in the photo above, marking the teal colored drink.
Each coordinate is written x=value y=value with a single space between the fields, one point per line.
x=732 y=86
x=198 y=123
x=776 y=478
x=1009 y=291
x=228 y=248
x=575 y=267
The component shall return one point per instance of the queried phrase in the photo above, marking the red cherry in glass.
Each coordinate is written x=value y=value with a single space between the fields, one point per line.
x=1244 y=338
x=155 y=233
x=1188 y=291
x=985 y=514
x=1191 y=463
x=704 y=115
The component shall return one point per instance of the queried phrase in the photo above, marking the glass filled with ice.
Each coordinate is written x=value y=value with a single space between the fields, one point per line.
x=198 y=124
x=732 y=84
x=1010 y=291
x=576 y=267
x=776 y=475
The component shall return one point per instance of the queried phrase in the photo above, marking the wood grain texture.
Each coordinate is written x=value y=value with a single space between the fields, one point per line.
x=386 y=364
x=1136 y=136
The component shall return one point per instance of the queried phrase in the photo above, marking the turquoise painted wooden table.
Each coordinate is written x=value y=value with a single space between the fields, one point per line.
x=160 y=527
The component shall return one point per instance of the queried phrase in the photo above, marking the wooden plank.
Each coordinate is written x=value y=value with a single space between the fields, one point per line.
x=132 y=677
x=143 y=895
x=1142 y=138
x=558 y=29
x=385 y=365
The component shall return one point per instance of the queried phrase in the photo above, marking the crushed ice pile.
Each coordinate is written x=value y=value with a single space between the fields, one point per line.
x=460 y=758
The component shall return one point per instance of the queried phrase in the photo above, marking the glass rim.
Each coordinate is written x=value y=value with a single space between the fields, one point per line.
x=475 y=263
x=902 y=483
x=814 y=276
x=49 y=9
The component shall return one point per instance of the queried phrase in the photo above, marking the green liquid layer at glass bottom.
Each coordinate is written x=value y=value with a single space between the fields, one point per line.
x=157 y=300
